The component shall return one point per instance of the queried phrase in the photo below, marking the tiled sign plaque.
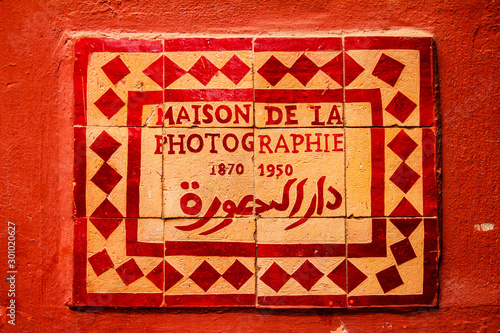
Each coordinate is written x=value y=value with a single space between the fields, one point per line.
x=268 y=172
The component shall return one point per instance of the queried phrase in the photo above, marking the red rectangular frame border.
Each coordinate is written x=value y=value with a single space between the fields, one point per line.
x=84 y=47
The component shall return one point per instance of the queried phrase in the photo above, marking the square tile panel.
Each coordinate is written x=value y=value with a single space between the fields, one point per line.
x=210 y=262
x=390 y=172
x=391 y=261
x=298 y=82
x=209 y=82
x=267 y=172
x=208 y=172
x=299 y=172
x=123 y=171
x=301 y=265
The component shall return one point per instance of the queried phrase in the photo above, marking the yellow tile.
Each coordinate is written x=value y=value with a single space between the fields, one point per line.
x=312 y=155
x=98 y=83
x=319 y=81
x=150 y=166
x=411 y=272
x=150 y=186
x=117 y=161
x=185 y=60
x=211 y=163
x=359 y=114
x=110 y=281
x=186 y=265
x=358 y=171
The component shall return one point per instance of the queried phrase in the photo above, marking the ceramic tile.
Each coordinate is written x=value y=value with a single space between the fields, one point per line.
x=391 y=261
x=299 y=172
x=302 y=265
x=112 y=87
x=208 y=172
x=298 y=82
x=123 y=260
x=388 y=81
x=210 y=262
x=123 y=172
x=207 y=114
x=390 y=172
x=208 y=83
x=113 y=102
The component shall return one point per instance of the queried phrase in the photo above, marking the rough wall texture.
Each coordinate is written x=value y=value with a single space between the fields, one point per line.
x=36 y=99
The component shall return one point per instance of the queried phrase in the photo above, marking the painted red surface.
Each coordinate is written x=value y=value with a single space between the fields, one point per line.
x=36 y=155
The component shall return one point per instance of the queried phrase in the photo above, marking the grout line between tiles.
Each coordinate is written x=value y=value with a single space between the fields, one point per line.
x=256 y=303
x=263 y=128
x=345 y=163
x=162 y=173
x=243 y=217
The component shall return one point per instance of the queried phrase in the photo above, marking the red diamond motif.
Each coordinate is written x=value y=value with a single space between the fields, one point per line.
x=203 y=70
x=172 y=72
x=401 y=107
x=129 y=272
x=237 y=274
x=335 y=68
x=403 y=251
x=106 y=209
x=406 y=226
x=388 y=69
x=106 y=226
x=156 y=276
x=275 y=277
x=273 y=70
x=105 y=145
x=304 y=69
x=404 y=177
x=172 y=276
x=235 y=69
x=402 y=145
x=405 y=208
x=155 y=71
x=339 y=275
x=389 y=278
x=109 y=103
x=205 y=275
x=101 y=262
x=354 y=276
x=352 y=69
x=106 y=178
x=307 y=275
x=115 y=70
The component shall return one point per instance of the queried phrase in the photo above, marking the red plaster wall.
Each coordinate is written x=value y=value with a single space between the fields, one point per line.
x=36 y=154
